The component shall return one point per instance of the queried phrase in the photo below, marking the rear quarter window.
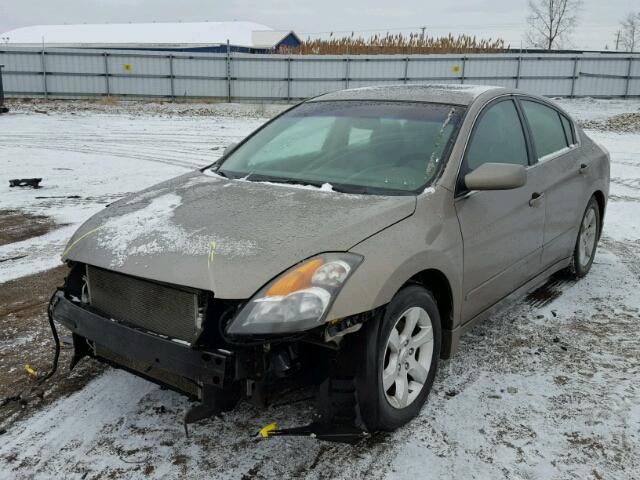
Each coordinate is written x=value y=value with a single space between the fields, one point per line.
x=546 y=128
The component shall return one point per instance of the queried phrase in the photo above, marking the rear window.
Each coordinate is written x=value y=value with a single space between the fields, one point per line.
x=546 y=127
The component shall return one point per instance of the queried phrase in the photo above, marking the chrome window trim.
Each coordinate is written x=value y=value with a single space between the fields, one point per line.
x=553 y=155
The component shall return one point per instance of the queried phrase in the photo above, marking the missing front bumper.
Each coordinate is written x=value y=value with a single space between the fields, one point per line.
x=159 y=359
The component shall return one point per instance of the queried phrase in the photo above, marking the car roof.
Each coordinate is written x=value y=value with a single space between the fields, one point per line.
x=457 y=94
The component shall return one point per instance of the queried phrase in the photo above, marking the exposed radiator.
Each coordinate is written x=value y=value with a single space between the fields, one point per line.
x=146 y=304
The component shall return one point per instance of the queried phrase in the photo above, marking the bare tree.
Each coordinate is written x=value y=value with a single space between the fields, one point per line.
x=630 y=35
x=551 y=22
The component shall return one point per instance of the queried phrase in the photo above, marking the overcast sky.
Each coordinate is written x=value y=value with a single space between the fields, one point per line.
x=489 y=18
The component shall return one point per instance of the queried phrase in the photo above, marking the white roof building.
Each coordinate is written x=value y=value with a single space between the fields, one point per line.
x=188 y=35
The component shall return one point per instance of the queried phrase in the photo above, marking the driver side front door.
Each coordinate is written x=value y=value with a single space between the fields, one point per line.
x=502 y=231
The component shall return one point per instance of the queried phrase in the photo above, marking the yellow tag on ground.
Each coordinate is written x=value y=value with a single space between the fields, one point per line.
x=265 y=431
x=30 y=371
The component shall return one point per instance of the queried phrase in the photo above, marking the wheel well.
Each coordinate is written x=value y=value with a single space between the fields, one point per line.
x=436 y=282
x=600 y=199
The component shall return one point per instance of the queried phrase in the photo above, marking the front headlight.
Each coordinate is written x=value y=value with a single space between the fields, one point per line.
x=298 y=299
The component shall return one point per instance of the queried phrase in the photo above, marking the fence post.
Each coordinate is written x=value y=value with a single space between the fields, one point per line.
x=464 y=64
x=406 y=70
x=1 y=90
x=289 y=79
x=575 y=75
x=43 y=64
x=346 y=73
x=518 y=72
x=171 y=78
x=228 y=72
x=628 y=79
x=107 y=89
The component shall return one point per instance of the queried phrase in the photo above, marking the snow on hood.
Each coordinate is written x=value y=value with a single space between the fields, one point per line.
x=228 y=236
x=121 y=235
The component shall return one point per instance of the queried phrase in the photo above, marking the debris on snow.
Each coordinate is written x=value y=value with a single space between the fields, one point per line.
x=25 y=182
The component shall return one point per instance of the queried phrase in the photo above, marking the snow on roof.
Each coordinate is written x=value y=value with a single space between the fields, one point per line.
x=269 y=38
x=247 y=34
x=431 y=92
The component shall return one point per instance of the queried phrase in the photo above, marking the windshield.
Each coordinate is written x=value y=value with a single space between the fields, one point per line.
x=357 y=146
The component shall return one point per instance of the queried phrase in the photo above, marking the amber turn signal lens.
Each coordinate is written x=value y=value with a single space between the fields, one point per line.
x=298 y=279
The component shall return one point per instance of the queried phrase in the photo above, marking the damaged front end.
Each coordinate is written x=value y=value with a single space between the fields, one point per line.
x=177 y=337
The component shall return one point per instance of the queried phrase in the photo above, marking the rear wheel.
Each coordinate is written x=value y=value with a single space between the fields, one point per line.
x=402 y=351
x=587 y=242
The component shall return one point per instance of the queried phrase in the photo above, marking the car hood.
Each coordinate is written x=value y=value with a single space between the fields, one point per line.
x=228 y=236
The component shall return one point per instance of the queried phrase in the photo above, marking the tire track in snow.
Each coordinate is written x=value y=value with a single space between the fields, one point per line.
x=185 y=142
x=632 y=183
x=625 y=252
x=123 y=154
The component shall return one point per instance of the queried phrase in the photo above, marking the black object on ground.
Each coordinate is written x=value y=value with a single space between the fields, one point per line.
x=60 y=196
x=338 y=419
x=11 y=258
x=25 y=182
x=24 y=396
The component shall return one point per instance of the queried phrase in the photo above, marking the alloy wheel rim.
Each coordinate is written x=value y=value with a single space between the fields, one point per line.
x=407 y=357
x=588 y=237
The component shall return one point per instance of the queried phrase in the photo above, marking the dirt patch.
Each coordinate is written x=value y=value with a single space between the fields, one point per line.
x=25 y=338
x=18 y=226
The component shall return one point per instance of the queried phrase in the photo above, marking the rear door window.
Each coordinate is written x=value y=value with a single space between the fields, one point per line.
x=546 y=128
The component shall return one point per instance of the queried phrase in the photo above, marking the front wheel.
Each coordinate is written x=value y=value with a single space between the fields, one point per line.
x=402 y=352
x=587 y=242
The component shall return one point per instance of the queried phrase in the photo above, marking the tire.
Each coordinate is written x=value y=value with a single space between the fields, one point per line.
x=587 y=242
x=384 y=409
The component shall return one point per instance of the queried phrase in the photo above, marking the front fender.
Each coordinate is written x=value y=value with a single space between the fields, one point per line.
x=429 y=239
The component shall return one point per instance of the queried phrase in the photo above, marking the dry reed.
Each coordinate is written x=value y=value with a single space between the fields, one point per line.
x=414 y=43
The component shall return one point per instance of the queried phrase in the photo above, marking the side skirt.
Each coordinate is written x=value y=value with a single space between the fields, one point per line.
x=451 y=338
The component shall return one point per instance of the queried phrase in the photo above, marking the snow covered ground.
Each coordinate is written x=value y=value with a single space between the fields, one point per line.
x=548 y=389
x=98 y=158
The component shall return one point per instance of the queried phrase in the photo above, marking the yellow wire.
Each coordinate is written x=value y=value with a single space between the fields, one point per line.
x=75 y=242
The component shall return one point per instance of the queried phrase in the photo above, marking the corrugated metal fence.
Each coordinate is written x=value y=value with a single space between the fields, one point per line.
x=80 y=72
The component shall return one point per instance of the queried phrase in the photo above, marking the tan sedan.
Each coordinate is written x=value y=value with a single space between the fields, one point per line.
x=349 y=243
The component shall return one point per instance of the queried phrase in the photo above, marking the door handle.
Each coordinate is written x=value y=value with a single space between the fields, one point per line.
x=536 y=199
x=583 y=167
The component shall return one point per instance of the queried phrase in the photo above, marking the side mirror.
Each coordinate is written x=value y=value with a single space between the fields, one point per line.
x=496 y=176
x=229 y=147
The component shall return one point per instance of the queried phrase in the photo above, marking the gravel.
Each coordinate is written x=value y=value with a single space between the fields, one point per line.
x=113 y=106
x=623 y=122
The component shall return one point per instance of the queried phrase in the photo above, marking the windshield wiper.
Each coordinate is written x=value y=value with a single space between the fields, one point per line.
x=255 y=177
